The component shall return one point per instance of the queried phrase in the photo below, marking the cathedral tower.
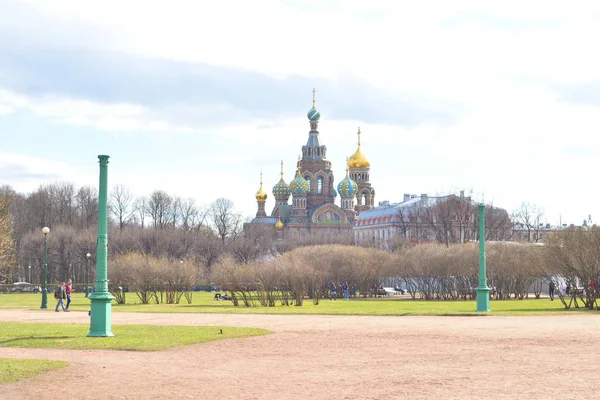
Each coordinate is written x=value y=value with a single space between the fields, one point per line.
x=261 y=197
x=281 y=192
x=348 y=189
x=359 y=172
x=314 y=166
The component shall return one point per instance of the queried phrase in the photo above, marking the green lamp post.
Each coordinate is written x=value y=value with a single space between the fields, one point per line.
x=101 y=307
x=483 y=291
x=87 y=274
x=45 y=231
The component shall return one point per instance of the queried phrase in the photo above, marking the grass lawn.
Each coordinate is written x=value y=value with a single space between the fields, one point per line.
x=127 y=337
x=203 y=303
x=12 y=370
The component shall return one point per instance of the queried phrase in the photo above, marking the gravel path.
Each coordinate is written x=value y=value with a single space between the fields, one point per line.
x=332 y=357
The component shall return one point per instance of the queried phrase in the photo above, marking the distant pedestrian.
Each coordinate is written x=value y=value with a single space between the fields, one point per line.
x=551 y=288
x=346 y=292
x=60 y=295
x=68 y=291
x=332 y=292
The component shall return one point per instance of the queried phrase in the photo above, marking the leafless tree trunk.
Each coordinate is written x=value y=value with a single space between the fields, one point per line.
x=529 y=218
x=121 y=205
x=226 y=221
x=160 y=209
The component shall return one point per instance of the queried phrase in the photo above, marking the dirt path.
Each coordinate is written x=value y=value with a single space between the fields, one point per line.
x=333 y=357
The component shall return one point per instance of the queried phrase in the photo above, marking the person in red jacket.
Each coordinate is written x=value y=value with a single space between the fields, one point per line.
x=68 y=291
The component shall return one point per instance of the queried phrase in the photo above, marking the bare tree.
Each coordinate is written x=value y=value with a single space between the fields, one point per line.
x=7 y=245
x=189 y=213
x=226 y=221
x=121 y=205
x=62 y=196
x=86 y=206
x=160 y=209
x=529 y=218
x=140 y=207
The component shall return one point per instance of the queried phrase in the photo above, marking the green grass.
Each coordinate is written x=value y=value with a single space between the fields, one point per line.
x=127 y=337
x=12 y=370
x=204 y=303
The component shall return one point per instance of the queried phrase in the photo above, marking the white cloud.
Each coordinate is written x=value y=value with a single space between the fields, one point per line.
x=114 y=117
x=5 y=110
x=513 y=140
x=26 y=173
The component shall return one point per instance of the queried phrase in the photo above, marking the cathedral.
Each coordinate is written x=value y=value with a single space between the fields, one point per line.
x=313 y=214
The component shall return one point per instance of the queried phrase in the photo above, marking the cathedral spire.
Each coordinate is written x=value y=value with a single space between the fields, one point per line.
x=358 y=133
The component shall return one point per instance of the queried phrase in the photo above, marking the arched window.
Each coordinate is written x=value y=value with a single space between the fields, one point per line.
x=320 y=185
x=309 y=152
x=307 y=179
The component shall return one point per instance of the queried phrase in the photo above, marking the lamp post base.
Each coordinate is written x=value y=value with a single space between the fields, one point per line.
x=100 y=315
x=483 y=299
x=44 y=298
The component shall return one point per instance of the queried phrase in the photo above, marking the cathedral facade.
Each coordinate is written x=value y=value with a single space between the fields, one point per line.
x=313 y=214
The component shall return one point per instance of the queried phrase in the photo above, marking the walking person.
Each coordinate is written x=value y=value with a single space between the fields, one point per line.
x=68 y=291
x=551 y=288
x=345 y=289
x=60 y=295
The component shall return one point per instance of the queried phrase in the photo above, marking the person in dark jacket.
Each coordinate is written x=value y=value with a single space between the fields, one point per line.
x=60 y=295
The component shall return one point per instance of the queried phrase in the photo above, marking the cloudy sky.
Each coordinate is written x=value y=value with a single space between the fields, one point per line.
x=500 y=99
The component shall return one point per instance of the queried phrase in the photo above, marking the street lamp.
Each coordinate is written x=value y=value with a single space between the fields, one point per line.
x=87 y=274
x=29 y=274
x=45 y=231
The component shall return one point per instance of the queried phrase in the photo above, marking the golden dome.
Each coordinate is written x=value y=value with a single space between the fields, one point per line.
x=261 y=195
x=358 y=159
x=279 y=224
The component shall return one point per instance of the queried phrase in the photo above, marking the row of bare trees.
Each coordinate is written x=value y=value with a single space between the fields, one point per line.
x=574 y=255
x=157 y=279
x=450 y=219
x=437 y=272
x=305 y=271
x=67 y=249
x=427 y=271
x=64 y=204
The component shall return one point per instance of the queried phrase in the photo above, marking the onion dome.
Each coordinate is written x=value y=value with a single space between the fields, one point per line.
x=299 y=184
x=261 y=195
x=313 y=114
x=358 y=159
x=279 y=225
x=347 y=187
x=281 y=189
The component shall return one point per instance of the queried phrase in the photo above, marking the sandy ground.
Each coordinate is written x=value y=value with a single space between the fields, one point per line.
x=332 y=357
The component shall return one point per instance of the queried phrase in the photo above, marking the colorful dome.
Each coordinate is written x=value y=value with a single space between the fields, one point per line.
x=358 y=159
x=299 y=185
x=313 y=114
x=281 y=189
x=347 y=187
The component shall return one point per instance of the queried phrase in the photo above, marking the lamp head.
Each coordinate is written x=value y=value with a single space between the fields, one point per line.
x=45 y=230
x=88 y=255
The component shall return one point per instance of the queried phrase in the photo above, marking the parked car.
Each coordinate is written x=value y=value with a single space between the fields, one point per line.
x=25 y=287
